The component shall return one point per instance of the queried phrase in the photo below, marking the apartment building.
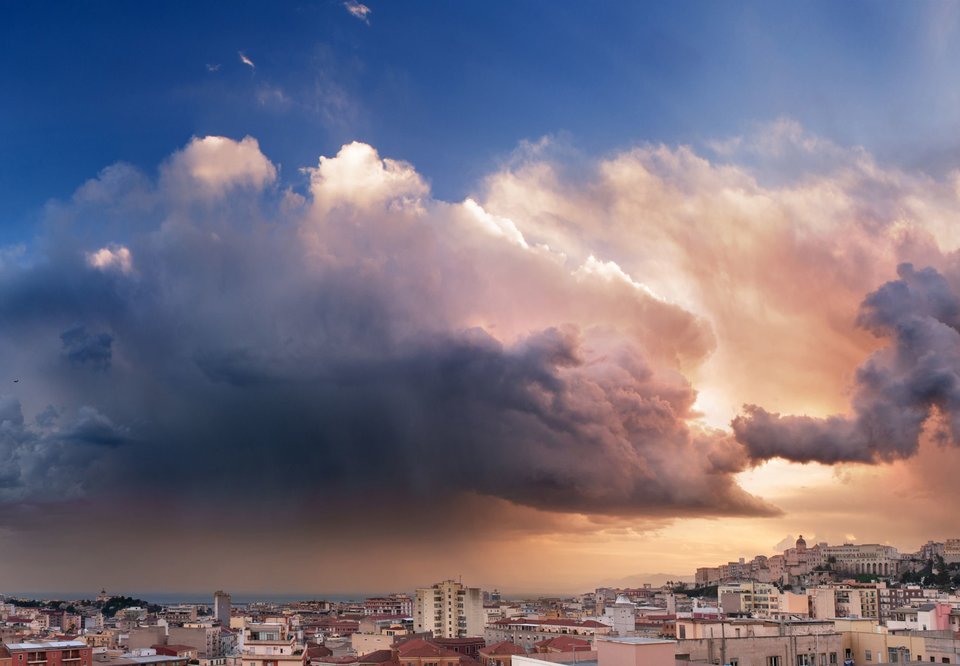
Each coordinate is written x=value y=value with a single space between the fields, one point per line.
x=50 y=653
x=705 y=576
x=804 y=650
x=222 y=608
x=759 y=642
x=268 y=644
x=855 y=600
x=748 y=598
x=449 y=610
x=898 y=597
x=394 y=604
x=527 y=632
x=866 y=642
x=205 y=636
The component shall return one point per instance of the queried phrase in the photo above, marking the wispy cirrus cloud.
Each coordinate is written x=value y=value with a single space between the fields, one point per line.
x=358 y=10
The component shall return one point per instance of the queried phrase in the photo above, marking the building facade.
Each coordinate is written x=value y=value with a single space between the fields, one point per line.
x=222 y=608
x=449 y=610
x=50 y=653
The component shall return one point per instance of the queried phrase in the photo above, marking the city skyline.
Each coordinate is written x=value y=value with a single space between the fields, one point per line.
x=336 y=296
x=635 y=581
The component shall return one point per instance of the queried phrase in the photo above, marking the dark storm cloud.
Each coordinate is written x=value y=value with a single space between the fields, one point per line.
x=92 y=427
x=82 y=348
x=307 y=351
x=46 y=462
x=531 y=423
x=897 y=388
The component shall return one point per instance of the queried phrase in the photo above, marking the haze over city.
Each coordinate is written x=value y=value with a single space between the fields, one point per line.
x=351 y=298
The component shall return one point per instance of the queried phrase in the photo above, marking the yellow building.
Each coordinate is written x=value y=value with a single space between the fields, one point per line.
x=866 y=642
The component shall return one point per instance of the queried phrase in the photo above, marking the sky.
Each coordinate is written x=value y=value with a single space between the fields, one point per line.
x=334 y=297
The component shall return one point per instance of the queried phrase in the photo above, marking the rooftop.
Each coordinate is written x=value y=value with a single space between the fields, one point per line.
x=635 y=640
x=502 y=648
x=46 y=645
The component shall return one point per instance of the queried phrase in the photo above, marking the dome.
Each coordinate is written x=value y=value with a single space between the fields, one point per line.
x=801 y=544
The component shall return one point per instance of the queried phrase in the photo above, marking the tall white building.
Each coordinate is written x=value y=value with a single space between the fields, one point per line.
x=622 y=616
x=449 y=610
x=221 y=608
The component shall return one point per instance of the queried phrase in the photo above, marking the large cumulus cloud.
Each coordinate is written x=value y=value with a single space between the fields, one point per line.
x=215 y=334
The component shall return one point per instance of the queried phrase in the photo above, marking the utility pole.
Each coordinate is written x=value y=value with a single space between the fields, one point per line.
x=723 y=644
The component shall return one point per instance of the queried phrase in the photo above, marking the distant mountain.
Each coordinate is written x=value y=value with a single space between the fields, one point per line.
x=638 y=580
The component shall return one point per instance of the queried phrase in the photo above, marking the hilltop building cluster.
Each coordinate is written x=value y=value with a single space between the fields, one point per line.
x=822 y=582
x=801 y=564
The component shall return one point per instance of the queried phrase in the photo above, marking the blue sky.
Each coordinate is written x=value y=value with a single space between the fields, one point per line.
x=454 y=86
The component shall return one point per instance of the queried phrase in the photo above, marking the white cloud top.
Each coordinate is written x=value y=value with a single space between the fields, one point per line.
x=494 y=224
x=358 y=178
x=112 y=258
x=212 y=165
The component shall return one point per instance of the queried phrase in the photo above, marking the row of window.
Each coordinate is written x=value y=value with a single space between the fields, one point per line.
x=807 y=659
x=897 y=655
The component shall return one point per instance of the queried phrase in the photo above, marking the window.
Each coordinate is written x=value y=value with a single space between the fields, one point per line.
x=848 y=653
x=773 y=661
x=823 y=659
x=868 y=655
x=683 y=631
x=734 y=662
x=833 y=659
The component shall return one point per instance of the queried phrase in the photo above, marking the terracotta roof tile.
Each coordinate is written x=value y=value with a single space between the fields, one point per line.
x=503 y=647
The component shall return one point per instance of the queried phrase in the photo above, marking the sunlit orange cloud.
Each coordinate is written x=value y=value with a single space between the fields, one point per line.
x=778 y=270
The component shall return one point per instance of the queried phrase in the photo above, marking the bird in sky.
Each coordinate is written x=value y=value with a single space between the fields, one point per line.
x=245 y=60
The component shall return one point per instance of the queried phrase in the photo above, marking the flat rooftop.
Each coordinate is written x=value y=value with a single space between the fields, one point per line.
x=46 y=645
